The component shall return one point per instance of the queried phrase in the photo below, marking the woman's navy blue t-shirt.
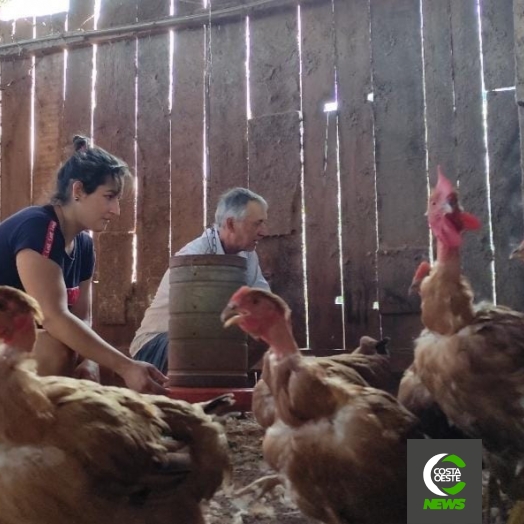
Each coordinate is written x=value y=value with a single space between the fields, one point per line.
x=37 y=228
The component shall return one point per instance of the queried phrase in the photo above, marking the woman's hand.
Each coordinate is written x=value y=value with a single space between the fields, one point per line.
x=144 y=378
x=88 y=370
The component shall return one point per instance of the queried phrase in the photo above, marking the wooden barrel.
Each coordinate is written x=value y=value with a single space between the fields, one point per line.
x=201 y=352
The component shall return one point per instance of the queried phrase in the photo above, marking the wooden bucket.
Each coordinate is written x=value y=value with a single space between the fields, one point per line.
x=201 y=352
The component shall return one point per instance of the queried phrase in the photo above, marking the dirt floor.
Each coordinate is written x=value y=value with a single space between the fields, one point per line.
x=245 y=441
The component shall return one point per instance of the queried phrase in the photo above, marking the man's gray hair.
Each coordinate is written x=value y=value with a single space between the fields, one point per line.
x=233 y=203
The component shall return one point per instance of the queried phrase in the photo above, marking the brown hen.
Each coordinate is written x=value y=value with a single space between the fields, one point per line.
x=340 y=446
x=73 y=451
x=367 y=365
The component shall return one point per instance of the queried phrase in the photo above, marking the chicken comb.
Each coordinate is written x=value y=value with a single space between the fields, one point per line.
x=244 y=291
x=444 y=185
x=240 y=293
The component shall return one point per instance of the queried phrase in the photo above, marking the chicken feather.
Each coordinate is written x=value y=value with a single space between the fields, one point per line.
x=73 y=451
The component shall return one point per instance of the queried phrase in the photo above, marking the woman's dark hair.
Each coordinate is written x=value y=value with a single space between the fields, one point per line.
x=91 y=165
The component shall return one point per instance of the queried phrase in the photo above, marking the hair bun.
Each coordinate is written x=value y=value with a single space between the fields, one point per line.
x=80 y=143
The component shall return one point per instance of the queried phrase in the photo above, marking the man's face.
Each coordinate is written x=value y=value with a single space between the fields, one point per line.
x=252 y=228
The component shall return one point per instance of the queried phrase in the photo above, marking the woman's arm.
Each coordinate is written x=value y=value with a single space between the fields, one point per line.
x=85 y=369
x=42 y=278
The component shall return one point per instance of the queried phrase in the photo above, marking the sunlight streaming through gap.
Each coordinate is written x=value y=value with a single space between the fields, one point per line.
x=339 y=227
x=302 y=174
x=93 y=91
x=333 y=106
x=248 y=71
x=134 y=273
x=485 y=136
x=501 y=89
x=424 y=99
x=376 y=302
x=330 y=107
x=66 y=55
x=205 y=152
x=32 y=130
x=96 y=15
x=205 y=163
x=93 y=75
x=66 y=29
x=170 y=109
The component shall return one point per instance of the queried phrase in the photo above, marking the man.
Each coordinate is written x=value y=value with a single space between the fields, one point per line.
x=240 y=222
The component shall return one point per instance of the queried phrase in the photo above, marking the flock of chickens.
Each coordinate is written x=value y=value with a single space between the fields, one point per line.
x=77 y=452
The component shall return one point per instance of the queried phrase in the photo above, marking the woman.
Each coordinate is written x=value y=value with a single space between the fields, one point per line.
x=46 y=251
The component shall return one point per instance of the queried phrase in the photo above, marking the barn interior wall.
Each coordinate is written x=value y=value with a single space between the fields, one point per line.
x=336 y=111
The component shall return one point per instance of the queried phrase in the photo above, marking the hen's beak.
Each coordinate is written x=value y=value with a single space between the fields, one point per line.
x=517 y=253
x=230 y=315
x=447 y=208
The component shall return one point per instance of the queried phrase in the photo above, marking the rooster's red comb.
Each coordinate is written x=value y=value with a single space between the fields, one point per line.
x=444 y=185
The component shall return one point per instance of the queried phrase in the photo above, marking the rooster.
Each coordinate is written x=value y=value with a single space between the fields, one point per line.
x=75 y=451
x=471 y=357
x=341 y=447
x=367 y=365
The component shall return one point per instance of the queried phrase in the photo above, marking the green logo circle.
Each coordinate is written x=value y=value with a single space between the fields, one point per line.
x=444 y=474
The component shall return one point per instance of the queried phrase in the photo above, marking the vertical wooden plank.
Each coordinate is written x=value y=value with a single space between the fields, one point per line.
x=518 y=17
x=518 y=21
x=470 y=148
x=227 y=108
x=16 y=184
x=274 y=153
x=153 y=163
x=114 y=130
x=400 y=161
x=321 y=178
x=274 y=77
x=274 y=173
x=77 y=102
x=48 y=110
x=357 y=169
x=438 y=70
x=187 y=132
x=506 y=196
x=498 y=45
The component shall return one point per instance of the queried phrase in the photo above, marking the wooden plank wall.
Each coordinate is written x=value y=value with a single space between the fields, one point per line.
x=503 y=147
x=275 y=169
x=357 y=169
x=16 y=182
x=48 y=111
x=321 y=184
x=114 y=129
x=153 y=166
x=242 y=102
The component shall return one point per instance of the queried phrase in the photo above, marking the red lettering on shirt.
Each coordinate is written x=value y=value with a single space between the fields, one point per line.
x=72 y=295
x=50 y=235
